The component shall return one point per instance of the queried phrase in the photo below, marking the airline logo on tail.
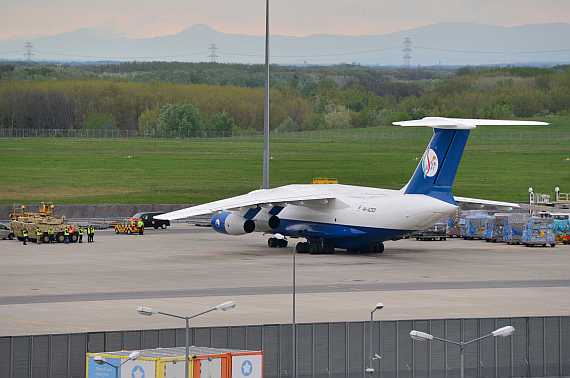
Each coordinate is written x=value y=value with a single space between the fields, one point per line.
x=429 y=163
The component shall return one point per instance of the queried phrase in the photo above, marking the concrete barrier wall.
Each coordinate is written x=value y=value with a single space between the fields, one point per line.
x=94 y=211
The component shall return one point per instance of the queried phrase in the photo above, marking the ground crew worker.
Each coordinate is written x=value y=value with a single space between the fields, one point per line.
x=80 y=234
x=92 y=233
x=25 y=235
x=51 y=235
x=140 y=225
x=70 y=233
x=38 y=236
x=66 y=234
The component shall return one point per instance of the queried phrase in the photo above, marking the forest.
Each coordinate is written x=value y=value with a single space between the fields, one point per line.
x=212 y=96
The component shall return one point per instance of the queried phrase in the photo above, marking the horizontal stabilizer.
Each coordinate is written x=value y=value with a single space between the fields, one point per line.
x=498 y=204
x=465 y=124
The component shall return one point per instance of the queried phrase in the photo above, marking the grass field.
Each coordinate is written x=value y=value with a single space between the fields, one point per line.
x=128 y=171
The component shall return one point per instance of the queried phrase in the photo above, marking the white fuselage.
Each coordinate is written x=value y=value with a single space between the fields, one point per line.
x=369 y=207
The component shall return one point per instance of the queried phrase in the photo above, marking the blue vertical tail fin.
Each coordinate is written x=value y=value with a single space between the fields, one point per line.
x=436 y=171
x=438 y=166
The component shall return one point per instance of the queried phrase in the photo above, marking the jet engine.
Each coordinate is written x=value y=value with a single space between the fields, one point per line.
x=266 y=222
x=232 y=224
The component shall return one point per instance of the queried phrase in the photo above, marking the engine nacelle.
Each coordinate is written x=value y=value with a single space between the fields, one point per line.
x=266 y=222
x=232 y=224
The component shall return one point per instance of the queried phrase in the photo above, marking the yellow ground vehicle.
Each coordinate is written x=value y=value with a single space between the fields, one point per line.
x=324 y=180
x=44 y=220
x=128 y=225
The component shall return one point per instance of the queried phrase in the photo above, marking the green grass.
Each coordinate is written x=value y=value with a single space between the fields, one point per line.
x=128 y=171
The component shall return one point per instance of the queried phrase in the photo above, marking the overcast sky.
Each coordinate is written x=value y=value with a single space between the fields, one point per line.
x=149 y=18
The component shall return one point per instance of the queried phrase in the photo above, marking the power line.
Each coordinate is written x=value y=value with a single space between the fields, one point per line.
x=491 y=52
x=113 y=57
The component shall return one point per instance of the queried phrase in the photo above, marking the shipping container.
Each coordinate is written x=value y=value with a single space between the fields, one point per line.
x=169 y=363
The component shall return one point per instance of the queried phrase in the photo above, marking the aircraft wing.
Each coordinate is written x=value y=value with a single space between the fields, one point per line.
x=499 y=204
x=291 y=194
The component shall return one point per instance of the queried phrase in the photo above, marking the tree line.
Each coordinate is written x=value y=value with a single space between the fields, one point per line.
x=212 y=96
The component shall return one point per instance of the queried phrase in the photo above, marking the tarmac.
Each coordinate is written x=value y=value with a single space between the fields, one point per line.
x=185 y=270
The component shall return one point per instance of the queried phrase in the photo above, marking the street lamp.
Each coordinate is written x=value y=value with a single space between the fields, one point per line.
x=102 y=361
x=294 y=342
x=422 y=336
x=150 y=311
x=379 y=306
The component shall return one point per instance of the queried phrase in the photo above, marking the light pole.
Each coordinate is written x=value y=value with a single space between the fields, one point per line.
x=379 y=306
x=102 y=361
x=422 y=336
x=150 y=311
x=294 y=341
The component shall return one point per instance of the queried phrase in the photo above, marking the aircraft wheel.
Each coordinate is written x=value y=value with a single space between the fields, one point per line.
x=328 y=249
x=315 y=248
x=380 y=247
x=282 y=243
x=272 y=242
x=301 y=247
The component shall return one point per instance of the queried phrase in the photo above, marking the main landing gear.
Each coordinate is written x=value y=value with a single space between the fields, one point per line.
x=375 y=248
x=274 y=243
x=315 y=248
x=320 y=248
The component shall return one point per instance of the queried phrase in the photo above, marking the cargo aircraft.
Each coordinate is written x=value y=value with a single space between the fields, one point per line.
x=354 y=218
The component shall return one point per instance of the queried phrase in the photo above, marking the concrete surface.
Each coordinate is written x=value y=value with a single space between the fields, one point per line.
x=184 y=270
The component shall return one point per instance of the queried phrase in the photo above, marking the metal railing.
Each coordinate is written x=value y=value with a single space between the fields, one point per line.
x=301 y=136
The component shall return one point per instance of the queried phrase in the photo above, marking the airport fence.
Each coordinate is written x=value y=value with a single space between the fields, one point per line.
x=302 y=136
x=539 y=347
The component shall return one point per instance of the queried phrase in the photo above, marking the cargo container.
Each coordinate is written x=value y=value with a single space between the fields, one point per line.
x=513 y=227
x=169 y=363
x=453 y=224
x=539 y=232
x=497 y=233
x=476 y=225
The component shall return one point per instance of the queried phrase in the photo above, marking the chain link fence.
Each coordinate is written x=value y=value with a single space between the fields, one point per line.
x=539 y=347
x=304 y=136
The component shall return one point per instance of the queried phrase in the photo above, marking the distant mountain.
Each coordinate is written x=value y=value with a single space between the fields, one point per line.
x=443 y=43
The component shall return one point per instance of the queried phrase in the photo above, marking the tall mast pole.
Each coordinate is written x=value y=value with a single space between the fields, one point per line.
x=266 y=107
